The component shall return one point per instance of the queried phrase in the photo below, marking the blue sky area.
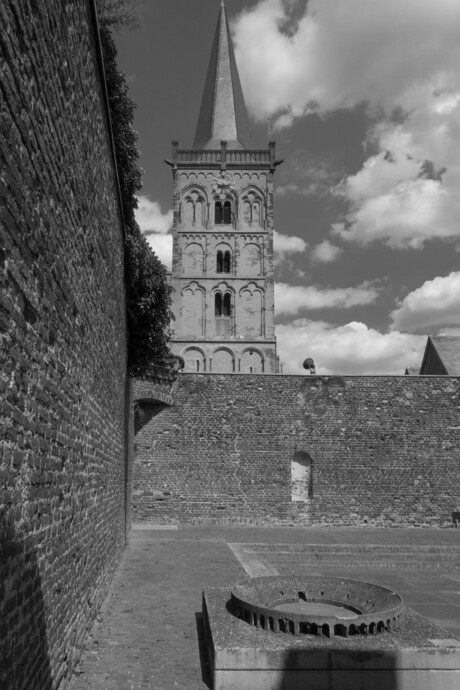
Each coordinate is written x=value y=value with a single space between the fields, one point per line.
x=363 y=99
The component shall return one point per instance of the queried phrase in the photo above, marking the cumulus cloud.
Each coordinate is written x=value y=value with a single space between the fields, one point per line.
x=162 y=246
x=151 y=218
x=449 y=331
x=394 y=56
x=436 y=303
x=325 y=252
x=339 y=54
x=292 y=299
x=350 y=349
x=155 y=225
x=287 y=190
x=406 y=193
x=287 y=245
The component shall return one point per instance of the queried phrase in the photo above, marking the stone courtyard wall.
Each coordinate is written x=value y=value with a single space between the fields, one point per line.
x=332 y=450
x=64 y=408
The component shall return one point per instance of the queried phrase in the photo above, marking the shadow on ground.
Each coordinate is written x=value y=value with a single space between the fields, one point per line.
x=206 y=675
x=24 y=654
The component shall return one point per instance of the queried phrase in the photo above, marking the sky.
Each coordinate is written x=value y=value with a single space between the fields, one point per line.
x=363 y=100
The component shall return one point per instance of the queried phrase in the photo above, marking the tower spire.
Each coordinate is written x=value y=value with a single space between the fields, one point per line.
x=223 y=113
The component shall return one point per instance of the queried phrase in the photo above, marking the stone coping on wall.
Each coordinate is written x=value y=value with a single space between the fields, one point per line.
x=323 y=376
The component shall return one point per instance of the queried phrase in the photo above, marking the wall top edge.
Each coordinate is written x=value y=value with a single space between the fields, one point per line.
x=323 y=376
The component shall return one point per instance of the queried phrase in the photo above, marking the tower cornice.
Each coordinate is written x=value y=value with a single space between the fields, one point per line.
x=224 y=158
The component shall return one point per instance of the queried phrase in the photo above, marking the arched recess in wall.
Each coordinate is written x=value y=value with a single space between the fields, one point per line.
x=250 y=322
x=192 y=311
x=301 y=476
x=250 y=263
x=195 y=360
x=194 y=208
x=193 y=259
x=252 y=205
x=223 y=361
x=252 y=361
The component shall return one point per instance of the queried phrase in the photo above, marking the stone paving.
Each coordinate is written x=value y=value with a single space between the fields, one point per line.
x=148 y=633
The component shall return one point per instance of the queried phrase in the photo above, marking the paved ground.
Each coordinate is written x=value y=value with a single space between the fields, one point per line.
x=148 y=633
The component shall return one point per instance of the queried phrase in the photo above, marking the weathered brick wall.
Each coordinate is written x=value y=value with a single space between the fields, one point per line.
x=63 y=342
x=375 y=450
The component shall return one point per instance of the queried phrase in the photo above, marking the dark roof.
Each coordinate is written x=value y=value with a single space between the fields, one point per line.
x=448 y=349
x=223 y=115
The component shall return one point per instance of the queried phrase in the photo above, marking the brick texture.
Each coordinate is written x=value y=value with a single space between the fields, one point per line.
x=64 y=403
x=379 y=451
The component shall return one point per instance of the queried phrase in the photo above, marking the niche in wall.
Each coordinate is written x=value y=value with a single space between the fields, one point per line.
x=301 y=476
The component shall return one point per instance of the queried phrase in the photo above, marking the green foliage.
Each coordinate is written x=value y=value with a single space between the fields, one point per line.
x=148 y=293
x=119 y=14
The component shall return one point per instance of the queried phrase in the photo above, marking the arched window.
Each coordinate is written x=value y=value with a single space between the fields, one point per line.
x=223 y=313
x=223 y=304
x=227 y=213
x=223 y=262
x=227 y=304
x=218 y=215
x=218 y=304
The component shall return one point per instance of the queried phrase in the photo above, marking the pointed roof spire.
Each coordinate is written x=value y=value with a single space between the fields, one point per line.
x=223 y=113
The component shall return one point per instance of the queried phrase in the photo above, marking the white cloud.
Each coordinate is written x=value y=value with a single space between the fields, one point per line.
x=151 y=218
x=162 y=246
x=286 y=245
x=155 y=225
x=287 y=190
x=395 y=56
x=407 y=193
x=343 y=53
x=436 y=303
x=449 y=331
x=350 y=349
x=292 y=299
x=325 y=252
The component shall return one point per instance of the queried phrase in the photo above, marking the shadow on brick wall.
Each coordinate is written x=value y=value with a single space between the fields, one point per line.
x=24 y=654
x=145 y=412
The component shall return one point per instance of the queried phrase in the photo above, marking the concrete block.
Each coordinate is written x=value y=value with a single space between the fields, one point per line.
x=419 y=656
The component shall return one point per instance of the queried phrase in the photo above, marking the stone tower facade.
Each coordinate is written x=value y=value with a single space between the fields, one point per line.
x=222 y=272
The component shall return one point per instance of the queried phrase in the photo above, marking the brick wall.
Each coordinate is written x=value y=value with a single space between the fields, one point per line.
x=364 y=450
x=63 y=409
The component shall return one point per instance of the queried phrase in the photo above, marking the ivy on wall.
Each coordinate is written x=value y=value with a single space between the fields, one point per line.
x=148 y=293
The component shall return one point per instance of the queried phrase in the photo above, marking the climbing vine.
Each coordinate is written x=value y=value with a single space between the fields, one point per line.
x=148 y=293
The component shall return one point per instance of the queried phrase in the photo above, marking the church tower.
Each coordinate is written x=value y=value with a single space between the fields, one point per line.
x=222 y=272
